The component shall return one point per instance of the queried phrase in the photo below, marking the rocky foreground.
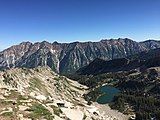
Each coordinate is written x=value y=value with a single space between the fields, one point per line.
x=41 y=94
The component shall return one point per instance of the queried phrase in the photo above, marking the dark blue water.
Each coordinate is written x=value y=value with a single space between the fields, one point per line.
x=109 y=93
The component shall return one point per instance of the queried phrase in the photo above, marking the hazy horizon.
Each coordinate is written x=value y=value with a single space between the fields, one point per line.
x=74 y=20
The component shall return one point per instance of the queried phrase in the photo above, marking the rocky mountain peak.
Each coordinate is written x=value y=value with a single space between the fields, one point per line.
x=68 y=57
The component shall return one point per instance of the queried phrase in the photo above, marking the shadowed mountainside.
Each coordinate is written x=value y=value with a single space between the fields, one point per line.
x=139 y=61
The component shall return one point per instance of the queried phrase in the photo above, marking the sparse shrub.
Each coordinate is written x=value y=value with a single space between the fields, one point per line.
x=7 y=114
x=39 y=111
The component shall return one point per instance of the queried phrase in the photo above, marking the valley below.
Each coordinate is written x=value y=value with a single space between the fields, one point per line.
x=134 y=93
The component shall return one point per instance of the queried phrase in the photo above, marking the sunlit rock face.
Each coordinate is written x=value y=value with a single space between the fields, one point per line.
x=68 y=57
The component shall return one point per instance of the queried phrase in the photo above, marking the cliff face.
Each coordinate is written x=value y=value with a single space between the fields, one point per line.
x=68 y=57
x=140 y=62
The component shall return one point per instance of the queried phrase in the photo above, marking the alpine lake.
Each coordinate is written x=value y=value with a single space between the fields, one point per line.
x=108 y=94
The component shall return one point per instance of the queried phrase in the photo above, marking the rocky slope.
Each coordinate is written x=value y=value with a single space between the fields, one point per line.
x=139 y=62
x=41 y=94
x=68 y=57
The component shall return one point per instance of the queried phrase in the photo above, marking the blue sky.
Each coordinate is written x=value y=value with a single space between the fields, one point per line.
x=77 y=20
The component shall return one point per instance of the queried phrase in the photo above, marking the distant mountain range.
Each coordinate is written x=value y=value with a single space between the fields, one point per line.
x=69 y=57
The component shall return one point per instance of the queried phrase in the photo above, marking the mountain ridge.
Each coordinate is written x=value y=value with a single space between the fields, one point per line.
x=68 y=57
x=138 y=62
